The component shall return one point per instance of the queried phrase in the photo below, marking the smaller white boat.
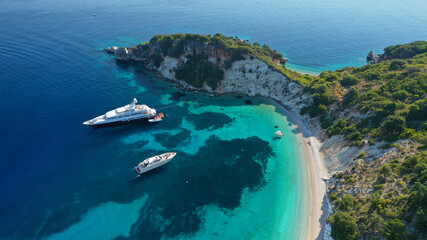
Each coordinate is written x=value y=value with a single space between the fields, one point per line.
x=154 y=162
x=279 y=133
x=156 y=118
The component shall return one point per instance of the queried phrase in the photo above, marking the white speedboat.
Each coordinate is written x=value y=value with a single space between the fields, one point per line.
x=157 y=118
x=154 y=162
x=123 y=115
x=279 y=133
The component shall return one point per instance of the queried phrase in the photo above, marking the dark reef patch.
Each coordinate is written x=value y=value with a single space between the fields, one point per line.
x=171 y=141
x=177 y=96
x=141 y=144
x=248 y=102
x=209 y=120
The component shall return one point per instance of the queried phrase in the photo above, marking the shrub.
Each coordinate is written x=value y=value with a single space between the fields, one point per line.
x=385 y=169
x=379 y=203
x=350 y=96
x=327 y=122
x=349 y=179
x=378 y=187
x=338 y=127
x=361 y=155
x=393 y=125
x=321 y=109
x=343 y=226
x=401 y=95
x=350 y=80
x=397 y=64
x=394 y=230
x=375 y=222
x=330 y=76
x=356 y=136
x=346 y=203
x=321 y=98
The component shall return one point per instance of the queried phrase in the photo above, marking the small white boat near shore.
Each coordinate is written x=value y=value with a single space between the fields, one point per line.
x=154 y=162
x=279 y=133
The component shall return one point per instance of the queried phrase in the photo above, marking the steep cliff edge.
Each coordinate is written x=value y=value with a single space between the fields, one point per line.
x=220 y=64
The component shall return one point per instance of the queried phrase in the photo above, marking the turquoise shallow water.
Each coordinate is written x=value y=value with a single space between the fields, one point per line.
x=61 y=180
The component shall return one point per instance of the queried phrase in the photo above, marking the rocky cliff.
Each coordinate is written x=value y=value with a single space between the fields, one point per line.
x=190 y=62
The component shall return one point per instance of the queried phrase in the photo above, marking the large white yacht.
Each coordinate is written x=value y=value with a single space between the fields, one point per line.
x=154 y=162
x=122 y=115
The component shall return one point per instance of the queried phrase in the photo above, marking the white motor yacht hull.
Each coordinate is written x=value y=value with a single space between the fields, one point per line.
x=154 y=162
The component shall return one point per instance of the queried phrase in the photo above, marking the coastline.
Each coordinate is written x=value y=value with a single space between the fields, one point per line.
x=316 y=173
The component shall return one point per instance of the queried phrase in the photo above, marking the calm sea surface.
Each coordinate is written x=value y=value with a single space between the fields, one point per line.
x=231 y=179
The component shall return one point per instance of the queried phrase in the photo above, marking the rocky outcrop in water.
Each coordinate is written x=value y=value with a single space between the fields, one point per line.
x=373 y=58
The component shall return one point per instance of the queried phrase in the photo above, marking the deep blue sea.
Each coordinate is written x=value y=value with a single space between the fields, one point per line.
x=232 y=178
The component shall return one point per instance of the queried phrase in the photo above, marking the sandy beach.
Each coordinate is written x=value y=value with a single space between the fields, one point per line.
x=317 y=174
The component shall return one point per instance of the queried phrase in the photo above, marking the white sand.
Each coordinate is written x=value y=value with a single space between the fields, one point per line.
x=316 y=173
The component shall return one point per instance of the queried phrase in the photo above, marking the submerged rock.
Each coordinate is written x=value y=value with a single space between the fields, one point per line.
x=248 y=102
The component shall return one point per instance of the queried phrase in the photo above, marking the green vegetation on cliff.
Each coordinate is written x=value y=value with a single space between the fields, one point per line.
x=198 y=70
x=395 y=195
x=406 y=50
x=387 y=102
x=390 y=97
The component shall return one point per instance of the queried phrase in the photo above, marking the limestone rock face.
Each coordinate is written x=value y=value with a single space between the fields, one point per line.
x=122 y=54
x=111 y=50
x=249 y=76
x=373 y=58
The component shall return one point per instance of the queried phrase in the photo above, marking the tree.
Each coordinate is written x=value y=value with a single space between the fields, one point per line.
x=393 y=125
x=349 y=80
x=350 y=96
x=322 y=109
x=346 y=203
x=385 y=169
x=343 y=226
x=401 y=95
x=397 y=64
x=394 y=230
x=375 y=222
